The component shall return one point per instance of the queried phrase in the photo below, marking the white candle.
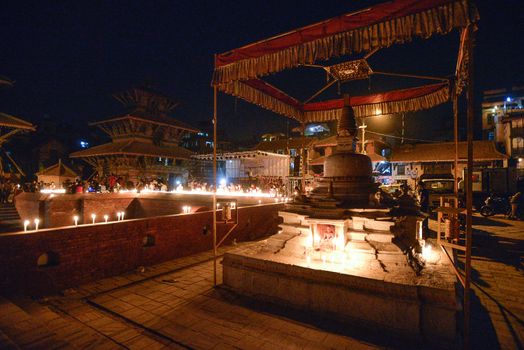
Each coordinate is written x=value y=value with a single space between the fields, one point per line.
x=37 y=221
x=75 y=218
x=26 y=223
x=106 y=217
x=118 y=216
x=93 y=216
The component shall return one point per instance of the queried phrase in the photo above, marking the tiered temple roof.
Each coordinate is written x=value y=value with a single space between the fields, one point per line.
x=145 y=139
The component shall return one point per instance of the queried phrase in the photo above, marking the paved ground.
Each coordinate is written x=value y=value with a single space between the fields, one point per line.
x=173 y=305
x=498 y=276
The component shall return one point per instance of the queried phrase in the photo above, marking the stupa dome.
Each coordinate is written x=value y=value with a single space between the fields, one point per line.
x=347 y=165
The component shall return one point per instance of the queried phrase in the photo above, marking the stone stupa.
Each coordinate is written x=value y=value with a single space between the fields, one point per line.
x=347 y=180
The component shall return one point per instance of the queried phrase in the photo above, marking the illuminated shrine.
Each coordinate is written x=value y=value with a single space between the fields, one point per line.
x=340 y=252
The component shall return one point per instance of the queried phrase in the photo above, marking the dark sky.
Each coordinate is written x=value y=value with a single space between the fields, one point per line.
x=67 y=57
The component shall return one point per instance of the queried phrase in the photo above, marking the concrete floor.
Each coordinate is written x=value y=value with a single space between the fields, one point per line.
x=174 y=305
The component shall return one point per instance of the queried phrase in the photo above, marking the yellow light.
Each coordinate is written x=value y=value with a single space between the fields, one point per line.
x=93 y=216
x=26 y=224
x=37 y=221
x=75 y=219
x=106 y=217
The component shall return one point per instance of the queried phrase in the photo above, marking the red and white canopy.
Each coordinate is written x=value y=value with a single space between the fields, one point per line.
x=238 y=72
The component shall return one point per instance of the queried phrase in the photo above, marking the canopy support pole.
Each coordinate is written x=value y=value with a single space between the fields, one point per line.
x=411 y=76
x=215 y=253
x=469 y=187
x=321 y=90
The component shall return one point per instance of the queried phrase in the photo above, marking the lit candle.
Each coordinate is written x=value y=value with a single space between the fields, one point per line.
x=118 y=216
x=26 y=223
x=75 y=218
x=37 y=221
x=123 y=213
x=106 y=217
x=93 y=216
x=259 y=201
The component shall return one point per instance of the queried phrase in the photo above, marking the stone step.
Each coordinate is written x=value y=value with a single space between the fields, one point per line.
x=53 y=329
x=24 y=330
x=6 y=343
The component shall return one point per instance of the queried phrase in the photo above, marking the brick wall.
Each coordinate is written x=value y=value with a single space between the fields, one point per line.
x=90 y=252
x=58 y=210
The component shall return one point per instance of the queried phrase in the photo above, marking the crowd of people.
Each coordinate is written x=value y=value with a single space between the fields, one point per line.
x=8 y=190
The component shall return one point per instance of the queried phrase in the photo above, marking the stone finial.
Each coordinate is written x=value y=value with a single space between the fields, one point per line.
x=347 y=127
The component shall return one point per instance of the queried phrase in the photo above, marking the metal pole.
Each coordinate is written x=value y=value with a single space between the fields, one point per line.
x=455 y=138
x=469 y=187
x=215 y=185
x=403 y=129
x=302 y=166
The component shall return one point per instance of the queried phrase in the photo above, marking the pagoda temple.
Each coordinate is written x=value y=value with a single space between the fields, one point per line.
x=144 y=141
x=10 y=126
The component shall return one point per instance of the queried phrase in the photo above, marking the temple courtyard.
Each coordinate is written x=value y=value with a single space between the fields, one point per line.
x=174 y=305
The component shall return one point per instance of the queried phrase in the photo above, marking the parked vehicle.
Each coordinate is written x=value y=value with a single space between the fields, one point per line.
x=439 y=187
x=486 y=181
x=496 y=205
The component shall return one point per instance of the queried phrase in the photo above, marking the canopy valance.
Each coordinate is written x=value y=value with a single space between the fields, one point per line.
x=267 y=96
x=373 y=28
x=238 y=72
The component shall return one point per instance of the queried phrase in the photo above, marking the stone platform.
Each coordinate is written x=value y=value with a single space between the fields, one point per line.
x=369 y=283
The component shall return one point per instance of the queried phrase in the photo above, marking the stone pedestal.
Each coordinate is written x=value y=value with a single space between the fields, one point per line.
x=367 y=281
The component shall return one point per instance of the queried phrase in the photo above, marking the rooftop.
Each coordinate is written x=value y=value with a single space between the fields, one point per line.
x=10 y=121
x=134 y=148
x=282 y=144
x=483 y=150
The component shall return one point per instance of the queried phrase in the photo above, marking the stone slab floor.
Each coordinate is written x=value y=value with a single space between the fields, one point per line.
x=173 y=305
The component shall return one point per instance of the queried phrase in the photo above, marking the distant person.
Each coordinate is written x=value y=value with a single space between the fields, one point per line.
x=424 y=202
x=460 y=185
x=515 y=204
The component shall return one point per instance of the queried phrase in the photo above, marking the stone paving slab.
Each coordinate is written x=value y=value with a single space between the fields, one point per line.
x=184 y=306
x=497 y=315
x=173 y=306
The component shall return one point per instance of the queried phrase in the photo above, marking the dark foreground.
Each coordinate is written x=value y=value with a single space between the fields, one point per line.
x=174 y=305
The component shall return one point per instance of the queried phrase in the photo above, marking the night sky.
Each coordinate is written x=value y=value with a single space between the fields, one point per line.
x=67 y=58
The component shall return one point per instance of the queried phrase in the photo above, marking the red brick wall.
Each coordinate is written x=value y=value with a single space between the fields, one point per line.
x=91 y=252
x=58 y=210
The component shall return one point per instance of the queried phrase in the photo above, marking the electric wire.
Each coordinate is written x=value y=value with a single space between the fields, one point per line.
x=400 y=137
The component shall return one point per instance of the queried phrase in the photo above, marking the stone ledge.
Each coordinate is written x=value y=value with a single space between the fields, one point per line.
x=410 y=310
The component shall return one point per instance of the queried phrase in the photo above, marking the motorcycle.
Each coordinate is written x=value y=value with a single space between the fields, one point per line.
x=496 y=205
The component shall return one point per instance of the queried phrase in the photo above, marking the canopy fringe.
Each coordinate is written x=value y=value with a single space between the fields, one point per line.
x=253 y=95
x=438 y=20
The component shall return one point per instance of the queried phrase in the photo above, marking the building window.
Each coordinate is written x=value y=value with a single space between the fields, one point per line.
x=401 y=169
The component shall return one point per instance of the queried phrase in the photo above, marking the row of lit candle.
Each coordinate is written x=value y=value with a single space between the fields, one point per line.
x=27 y=223
x=119 y=215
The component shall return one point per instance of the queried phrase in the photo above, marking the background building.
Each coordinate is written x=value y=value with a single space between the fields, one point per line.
x=144 y=141
x=502 y=121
